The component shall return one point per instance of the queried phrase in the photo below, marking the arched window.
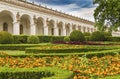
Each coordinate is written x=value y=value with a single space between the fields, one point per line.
x=5 y=26
x=52 y=31
x=21 y=29
x=59 y=32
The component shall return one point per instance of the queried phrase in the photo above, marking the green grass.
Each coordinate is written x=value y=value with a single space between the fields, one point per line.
x=112 y=77
x=13 y=52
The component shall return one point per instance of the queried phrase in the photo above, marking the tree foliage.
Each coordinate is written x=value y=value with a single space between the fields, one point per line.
x=107 y=13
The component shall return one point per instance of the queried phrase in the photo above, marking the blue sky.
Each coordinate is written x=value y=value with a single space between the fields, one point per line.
x=79 y=8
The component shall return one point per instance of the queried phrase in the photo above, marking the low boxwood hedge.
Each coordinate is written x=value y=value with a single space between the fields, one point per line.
x=113 y=39
x=17 y=46
x=66 y=49
x=46 y=39
x=72 y=50
x=20 y=39
x=88 y=54
x=34 y=73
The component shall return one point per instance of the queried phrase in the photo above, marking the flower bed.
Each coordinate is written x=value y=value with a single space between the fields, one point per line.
x=83 y=68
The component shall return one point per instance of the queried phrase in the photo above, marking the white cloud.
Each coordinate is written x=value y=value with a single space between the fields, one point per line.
x=63 y=8
x=72 y=6
x=86 y=13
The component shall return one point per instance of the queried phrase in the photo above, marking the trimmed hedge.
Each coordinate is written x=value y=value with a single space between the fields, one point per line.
x=65 y=49
x=57 y=39
x=86 y=34
x=107 y=38
x=87 y=38
x=97 y=36
x=17 y=46
x=20 y=39
x=42 y=39
x=89 y=54
x=34 y=73
x=46 y=39
x=113 y=39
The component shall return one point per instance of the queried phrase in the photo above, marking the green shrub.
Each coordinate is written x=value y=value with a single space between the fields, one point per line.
x=97 y=36
x=86 y=34
x=66 y=39
x=112 y=39
x=107 y=33
x=77 y=36
x=20 y=39
x=16 y=39
x=17 y=46
x=44 y=39
x=6 y=38
x=87 y=38
x=33 y=39
x=34 y=73
x=57 y=38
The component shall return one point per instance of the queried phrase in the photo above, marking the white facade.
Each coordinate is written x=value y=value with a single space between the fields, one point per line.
x=20 y=17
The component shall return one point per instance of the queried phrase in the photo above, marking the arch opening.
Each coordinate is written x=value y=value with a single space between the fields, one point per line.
x=67 y=29
x=6 y=21
x=25 y=24
x=51 y=27
x=60 y=28
x=39 y=26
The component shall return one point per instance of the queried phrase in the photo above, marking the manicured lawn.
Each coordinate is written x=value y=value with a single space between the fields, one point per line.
x=13 y=52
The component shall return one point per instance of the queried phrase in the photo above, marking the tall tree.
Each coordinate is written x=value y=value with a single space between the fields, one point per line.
x=107 y=13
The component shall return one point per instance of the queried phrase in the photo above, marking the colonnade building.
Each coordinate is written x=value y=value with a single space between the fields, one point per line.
x=22 y=17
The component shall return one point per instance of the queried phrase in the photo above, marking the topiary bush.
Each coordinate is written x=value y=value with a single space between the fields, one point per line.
x=97 y=36
x=66 y=39
x=77 y=36
x=86 y=34
x=33 y=39
x=6 y=38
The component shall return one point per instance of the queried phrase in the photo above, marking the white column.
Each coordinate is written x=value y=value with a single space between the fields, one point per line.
x=16 y=28
x=76 y=28
x=33 y=26
x=82 y=29
x=45 y=30
x=55 y=29
x=33 y=29
x=64 y=30
x=71 y=29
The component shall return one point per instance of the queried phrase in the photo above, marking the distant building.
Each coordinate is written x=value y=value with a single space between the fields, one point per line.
x=21 y=17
